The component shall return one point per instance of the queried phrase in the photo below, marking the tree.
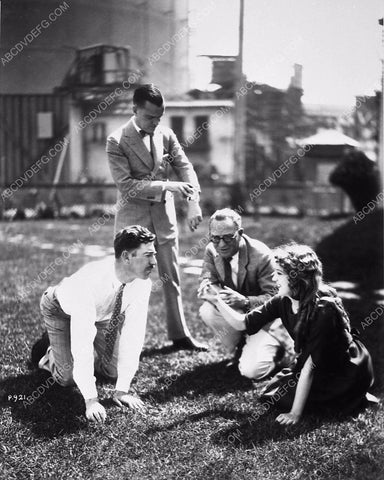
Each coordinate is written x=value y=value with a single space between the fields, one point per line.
x=358 y=176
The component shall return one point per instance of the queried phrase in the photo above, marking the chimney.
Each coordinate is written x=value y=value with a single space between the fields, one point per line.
x=297 y=78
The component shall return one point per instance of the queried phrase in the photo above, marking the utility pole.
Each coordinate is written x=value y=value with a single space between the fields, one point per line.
x=239 y=174
x=381 y=119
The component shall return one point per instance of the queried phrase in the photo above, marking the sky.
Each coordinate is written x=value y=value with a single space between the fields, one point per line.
x=338 y=42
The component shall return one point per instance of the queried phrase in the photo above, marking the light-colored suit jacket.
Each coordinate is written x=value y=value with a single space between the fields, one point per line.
x=255 y=278
x=141 y=198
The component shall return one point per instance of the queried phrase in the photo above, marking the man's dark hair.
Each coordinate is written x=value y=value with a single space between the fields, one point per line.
x=148 y=92
x=130 y=238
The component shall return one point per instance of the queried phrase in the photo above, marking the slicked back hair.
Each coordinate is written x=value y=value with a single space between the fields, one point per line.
x=148 y=93
x=130 y=238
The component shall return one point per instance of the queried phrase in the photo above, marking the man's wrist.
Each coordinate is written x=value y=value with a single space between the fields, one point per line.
x=296 y=413
x=247 y=304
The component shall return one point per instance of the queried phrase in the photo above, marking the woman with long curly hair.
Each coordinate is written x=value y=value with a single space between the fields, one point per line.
x=333 y=369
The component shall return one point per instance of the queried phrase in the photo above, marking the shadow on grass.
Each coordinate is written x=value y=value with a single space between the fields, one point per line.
x=254 y=428
x=354 y=252
x=250 y=430
x=212 y=378
x=257 y=429
x=250 y=434
x=154 y=351
x=47 y=410
x=212 y=413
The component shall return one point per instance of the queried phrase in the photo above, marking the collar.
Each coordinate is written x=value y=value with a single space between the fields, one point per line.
x=137 y=128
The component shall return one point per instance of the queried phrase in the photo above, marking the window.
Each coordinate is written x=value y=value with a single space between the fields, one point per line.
x=44 y=125
x=324 y=169
x=201 y=133
x=177 y=125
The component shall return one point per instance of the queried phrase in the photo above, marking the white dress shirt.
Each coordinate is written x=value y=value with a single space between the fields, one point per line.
x=88 y=296
x=235 y=268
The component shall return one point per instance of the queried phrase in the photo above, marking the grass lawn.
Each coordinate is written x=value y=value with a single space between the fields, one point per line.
x=198 y=422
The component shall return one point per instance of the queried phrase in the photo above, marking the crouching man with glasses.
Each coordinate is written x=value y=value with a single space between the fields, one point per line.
x=240 y=270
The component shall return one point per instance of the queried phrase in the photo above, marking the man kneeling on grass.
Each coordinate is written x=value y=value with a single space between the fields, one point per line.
x=96 y=321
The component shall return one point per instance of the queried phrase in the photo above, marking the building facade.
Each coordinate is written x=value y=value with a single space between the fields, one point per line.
x=63 y=60
x=39 y=39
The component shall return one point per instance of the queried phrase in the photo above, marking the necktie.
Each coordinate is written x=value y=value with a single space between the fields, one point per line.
x=143 y=134
x=117 y=320
x=228 y=273
x=152 y=147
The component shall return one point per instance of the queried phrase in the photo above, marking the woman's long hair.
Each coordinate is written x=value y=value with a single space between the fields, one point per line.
x=305 y=279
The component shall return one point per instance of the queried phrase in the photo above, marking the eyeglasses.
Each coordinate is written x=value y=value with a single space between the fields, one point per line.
x=226 y=238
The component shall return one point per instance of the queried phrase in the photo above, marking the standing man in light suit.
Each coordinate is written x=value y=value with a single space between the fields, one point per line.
x=142 y=157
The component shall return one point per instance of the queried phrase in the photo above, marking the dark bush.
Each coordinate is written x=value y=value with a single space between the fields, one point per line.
x=19 y=214
x=44 y=211
x=358 y=176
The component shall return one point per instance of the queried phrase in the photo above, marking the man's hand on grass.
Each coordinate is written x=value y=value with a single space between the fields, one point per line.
x=123 y=398
x=94 y=411
x=290 y=418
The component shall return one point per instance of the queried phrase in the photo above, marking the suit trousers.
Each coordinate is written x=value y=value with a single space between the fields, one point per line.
x=161 y=220
x=59 y=356
x=167 y=260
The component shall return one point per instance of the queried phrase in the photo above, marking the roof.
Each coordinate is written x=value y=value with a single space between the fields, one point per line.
x=320 y=110
x=329 y=137
x=229 y=58
x=209 y=102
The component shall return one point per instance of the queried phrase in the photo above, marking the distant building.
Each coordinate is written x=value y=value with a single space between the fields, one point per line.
x=274 y=121
x=323 y=116
x=327 y=147
x=360 y=121
x=203 y=127
x=325 y=150
x=61 y=61
x=41 y=38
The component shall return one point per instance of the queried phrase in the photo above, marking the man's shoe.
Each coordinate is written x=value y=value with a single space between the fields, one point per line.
x=233 y=363
x=44 y=361
x=189 y=343
x=39 y=349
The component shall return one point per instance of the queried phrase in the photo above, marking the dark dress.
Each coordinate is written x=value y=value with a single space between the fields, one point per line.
x=343 y=369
